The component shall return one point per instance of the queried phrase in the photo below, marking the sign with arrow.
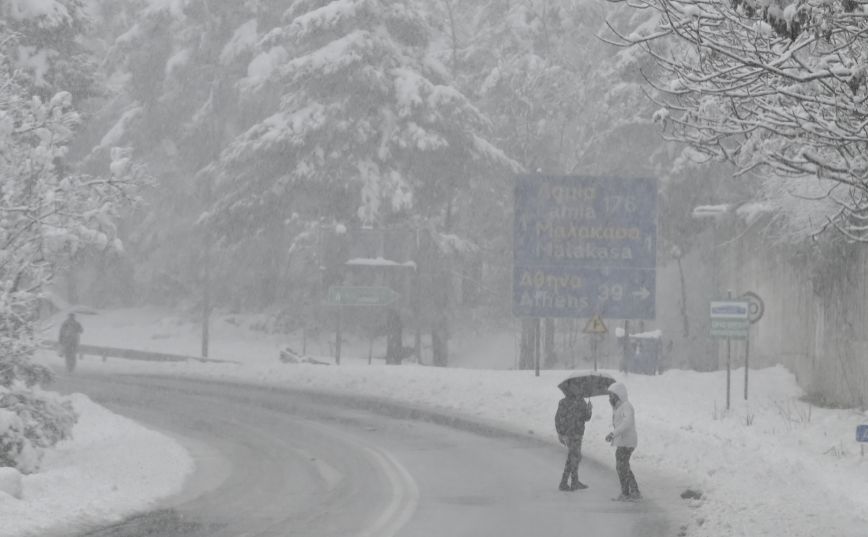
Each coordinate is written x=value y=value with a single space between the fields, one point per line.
x=585 y=246
x=360 y=296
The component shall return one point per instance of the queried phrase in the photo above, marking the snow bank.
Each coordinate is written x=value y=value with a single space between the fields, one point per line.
x=10 y=482
x=111 y=468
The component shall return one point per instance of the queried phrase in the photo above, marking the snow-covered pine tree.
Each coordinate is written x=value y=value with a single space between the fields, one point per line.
x=369 y=129
x=369 y=124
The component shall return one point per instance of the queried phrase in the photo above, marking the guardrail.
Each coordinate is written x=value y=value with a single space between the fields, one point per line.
x=133 y=354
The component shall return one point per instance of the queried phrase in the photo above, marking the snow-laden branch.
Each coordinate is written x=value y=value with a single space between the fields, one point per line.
x=775 y=88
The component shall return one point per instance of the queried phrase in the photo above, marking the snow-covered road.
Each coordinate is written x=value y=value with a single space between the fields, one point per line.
x=284 y=463
x=773 y=465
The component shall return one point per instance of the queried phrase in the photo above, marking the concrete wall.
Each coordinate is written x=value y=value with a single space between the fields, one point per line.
x=816 y=312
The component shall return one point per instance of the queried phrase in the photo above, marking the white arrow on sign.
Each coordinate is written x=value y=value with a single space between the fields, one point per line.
x=642 y=293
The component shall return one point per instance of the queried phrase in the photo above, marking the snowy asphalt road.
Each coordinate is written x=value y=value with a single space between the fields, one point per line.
x=278 y=463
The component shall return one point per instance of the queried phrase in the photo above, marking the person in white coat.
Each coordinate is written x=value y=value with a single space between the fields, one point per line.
x=625 y=439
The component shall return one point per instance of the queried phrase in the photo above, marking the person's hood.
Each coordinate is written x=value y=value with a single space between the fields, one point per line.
x=620 y=390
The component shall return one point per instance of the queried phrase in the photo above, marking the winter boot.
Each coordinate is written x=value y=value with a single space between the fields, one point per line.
x=578 y=485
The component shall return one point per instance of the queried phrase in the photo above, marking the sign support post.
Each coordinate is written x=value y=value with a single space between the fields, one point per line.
x=728 y=362
x=594 y=344
x=537 y=345
x=728 y=369
x=756 y=309
x=628 y=350
x=730 y=320
x=746 y=365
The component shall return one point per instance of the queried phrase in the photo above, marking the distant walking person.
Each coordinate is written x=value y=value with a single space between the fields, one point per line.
x=70 y=333
x=570 y=420
x=625 y=439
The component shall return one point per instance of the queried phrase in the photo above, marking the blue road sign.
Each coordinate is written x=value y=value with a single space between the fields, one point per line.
x=585 y=246
x=862 y=433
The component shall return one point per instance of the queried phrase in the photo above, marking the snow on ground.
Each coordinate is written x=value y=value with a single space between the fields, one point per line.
x=770 y=466
x=111 y=468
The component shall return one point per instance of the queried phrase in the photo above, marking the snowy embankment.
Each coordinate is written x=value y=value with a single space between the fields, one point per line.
x=111 y=468
x=770 y=466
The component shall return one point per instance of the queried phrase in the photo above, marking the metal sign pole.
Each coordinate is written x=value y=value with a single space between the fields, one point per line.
x=728 y=361
x=537 y=344
x=746 y=365
x=728 y=369
x=627 y=350
x=594 y=349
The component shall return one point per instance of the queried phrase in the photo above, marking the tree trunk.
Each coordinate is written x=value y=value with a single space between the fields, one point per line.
x=684 y=318
x=440 y=342
x=394 y=338
x=72 y=283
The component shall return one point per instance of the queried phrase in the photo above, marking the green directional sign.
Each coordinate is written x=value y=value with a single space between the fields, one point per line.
x=361 y=296
x=730 y=328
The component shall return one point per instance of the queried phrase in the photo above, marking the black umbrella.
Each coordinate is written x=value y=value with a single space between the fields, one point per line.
x=587 y=384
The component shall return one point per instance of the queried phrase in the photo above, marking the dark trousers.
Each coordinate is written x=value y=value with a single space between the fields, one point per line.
x=574 y=457
x=70 y=353
x=629 y=487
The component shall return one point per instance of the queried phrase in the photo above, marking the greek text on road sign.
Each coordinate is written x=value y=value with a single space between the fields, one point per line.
x=361 y=296
x=585 y=246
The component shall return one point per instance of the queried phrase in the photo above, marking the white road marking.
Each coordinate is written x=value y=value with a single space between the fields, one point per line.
x=404 y=491
x=328 y=473
x=403 y=502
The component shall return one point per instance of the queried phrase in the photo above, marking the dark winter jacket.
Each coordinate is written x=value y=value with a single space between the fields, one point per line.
x=572 y=414
x=70 y=332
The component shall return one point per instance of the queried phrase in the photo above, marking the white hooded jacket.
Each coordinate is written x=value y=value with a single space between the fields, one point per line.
x=623 y=419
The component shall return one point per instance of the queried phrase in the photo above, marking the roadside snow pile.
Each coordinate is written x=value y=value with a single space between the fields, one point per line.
x=111 y=468
x=10 y=482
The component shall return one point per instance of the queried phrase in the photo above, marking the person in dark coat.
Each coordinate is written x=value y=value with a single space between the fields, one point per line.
x=70 y=333
x=570 y=420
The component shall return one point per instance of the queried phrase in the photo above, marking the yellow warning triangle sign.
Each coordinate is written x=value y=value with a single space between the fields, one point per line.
x=596 y=326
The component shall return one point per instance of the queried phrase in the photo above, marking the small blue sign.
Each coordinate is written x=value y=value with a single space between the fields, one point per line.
x=862 y=433
x=729 y=310
x=585 y=246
